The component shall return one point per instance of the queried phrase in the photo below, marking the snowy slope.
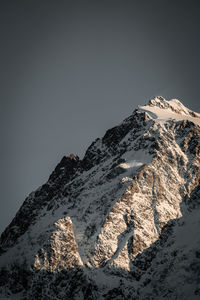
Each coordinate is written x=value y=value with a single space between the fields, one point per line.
x=101 y=225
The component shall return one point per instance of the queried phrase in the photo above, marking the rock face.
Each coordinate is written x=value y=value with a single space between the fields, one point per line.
x=121 y=223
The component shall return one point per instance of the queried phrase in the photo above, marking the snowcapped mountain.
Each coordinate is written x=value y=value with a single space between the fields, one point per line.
x=121 y=223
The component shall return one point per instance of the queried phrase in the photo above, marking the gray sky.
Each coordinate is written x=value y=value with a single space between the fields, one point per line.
x=69 y=70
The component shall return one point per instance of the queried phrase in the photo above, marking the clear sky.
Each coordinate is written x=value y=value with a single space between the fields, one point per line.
x=69 y=70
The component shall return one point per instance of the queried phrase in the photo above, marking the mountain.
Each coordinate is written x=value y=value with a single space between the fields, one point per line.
x=121 y=223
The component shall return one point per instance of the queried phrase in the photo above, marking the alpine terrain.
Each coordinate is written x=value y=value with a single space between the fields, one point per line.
x=121 y=223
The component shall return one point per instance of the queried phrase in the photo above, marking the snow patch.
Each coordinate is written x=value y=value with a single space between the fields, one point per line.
x=131 y=164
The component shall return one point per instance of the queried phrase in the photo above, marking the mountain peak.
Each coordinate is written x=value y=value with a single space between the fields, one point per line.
x=164 y=110
x=158 y=101
x=102 y=225
x=174 y=104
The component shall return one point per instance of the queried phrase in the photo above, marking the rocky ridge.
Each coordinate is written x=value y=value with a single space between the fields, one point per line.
x=116 y=224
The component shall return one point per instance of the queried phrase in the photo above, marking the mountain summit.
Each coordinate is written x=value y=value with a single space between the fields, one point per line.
x=164 y=109
x=121 y=223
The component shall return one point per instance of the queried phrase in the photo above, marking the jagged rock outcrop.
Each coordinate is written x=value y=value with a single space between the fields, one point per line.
x=115 y=224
